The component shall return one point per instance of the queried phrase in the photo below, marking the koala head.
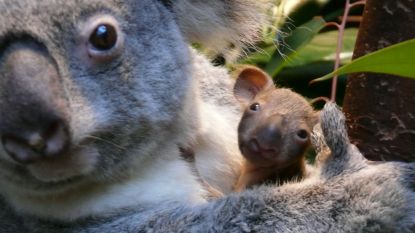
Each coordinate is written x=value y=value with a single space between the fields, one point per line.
x=87 y=87
x=91 y=88
x=276 y=125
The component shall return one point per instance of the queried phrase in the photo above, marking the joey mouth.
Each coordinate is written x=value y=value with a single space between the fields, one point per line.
x=254 y=151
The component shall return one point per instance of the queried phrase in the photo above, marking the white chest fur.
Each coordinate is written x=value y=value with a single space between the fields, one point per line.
x=164 y=180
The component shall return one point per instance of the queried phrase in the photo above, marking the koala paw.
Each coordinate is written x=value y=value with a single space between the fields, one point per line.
x=379 y=194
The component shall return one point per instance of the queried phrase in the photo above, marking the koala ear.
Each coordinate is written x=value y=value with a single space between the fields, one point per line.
x=220 y=24
x=250 y=81
x=315 y=119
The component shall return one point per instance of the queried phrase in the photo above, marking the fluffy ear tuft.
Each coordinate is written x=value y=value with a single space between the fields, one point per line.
x=335 y=154
x=333 y=125
x=220 y=24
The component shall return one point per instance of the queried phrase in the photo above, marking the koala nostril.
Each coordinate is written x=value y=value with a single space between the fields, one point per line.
x=36 y=142
x=19 y=150
x=34 y=146
x=302 y=135
x=56 y=139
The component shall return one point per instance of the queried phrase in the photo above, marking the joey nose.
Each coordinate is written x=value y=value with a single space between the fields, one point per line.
x=28 y=146
x=270 y=132
x=269 y=137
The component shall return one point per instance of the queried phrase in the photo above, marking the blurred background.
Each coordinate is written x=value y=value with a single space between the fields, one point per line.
x=298 y=46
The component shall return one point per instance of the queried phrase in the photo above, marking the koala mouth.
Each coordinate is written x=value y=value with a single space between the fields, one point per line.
x=76 y=163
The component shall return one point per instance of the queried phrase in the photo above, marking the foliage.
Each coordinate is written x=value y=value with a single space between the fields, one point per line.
x=397 y=59
x=304 y=48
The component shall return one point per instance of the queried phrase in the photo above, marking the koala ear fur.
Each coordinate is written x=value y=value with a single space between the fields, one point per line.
x=251 y=81
x=220 y=24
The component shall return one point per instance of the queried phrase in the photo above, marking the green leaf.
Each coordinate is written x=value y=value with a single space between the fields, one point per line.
x=323 y=48
x=297 y=39
x=398 y=59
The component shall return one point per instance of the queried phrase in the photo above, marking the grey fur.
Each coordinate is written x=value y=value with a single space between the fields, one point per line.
x=143 y=104
x=375 y=198
x=219 y=24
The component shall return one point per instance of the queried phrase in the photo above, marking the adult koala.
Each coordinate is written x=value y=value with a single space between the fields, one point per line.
x=97 y=96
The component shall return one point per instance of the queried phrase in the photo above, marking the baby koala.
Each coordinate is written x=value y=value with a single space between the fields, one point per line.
x=274 y=132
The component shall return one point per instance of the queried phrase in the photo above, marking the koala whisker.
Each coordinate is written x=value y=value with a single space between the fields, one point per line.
x=106 y=141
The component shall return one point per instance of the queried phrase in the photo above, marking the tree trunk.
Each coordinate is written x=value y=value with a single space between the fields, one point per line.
x=380 y=109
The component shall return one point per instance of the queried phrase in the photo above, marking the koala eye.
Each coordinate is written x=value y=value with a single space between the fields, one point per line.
x=255 y=107
x=104 y=37
x=101 y=39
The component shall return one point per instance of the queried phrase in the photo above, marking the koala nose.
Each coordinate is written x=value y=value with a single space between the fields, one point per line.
x=32 y=93
x=30 y=146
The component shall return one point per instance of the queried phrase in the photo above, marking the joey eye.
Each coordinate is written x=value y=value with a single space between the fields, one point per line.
x=255 y=107
x=302 y=134
x=104 y=37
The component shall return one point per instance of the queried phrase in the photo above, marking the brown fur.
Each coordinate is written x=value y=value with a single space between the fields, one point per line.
x=274 y=132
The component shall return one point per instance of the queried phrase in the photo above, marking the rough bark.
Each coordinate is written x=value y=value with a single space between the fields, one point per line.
x=380 y=109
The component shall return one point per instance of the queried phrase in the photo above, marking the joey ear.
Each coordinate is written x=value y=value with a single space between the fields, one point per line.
x=315 y=118
x=251 y=81
x=218 y=24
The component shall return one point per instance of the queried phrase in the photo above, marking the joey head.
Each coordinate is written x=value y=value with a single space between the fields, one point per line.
x=274 y=132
